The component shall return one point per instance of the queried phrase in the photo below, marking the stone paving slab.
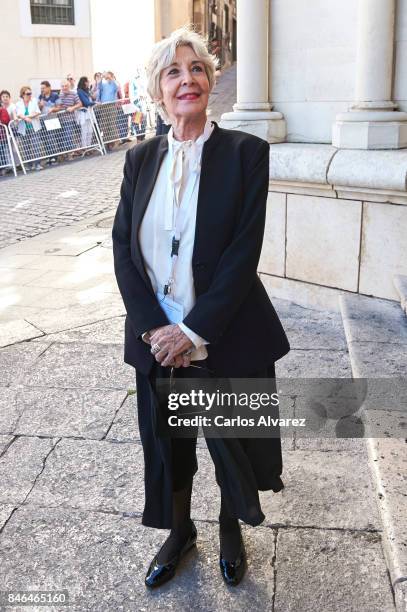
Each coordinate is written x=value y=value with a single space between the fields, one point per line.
x=25 y=201
x=321 y=489
x=72 y=245
x=92 y=475
x=53 y=298
x=101 y=559
x=400 y=283
x=17 y=360
x=332 y=571
x=109 y=331
x=331 y=444
x=316 y=363
x=125 y=425
x=67 y=412
x=17 y=276
x=386 y=423
x=5 y=511
x=378 y=359
x=18 y=260
x=324 y=489
x=400 y=595
x=86 y=279
x=310 y=329
x=17 y=331
x=103 y=306
x=4 y=442
x=373 y=320
x=78 y=365
x=15 y=295
x=20 y=465
x=10 y=409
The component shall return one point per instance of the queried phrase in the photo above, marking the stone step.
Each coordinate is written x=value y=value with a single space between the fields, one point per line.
x=400 y=283
x=376 y=333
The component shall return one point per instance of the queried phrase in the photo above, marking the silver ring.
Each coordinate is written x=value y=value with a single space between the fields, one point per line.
x=156 y=348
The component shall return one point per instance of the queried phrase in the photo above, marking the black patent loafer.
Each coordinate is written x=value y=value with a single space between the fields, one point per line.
x=233 y=571
x=159 y=573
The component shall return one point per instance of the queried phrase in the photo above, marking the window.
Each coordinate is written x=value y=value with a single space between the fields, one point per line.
x=58 y=12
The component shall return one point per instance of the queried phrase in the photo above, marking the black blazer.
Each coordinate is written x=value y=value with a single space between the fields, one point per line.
x=232 y=311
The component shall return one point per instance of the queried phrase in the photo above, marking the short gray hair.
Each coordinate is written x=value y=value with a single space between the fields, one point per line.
x=163 y=54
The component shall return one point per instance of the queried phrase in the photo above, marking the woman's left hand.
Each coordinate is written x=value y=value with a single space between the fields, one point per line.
x=173 y=343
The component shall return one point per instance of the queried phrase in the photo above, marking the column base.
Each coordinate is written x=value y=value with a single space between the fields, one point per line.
x=370 y=130
x=269 y=125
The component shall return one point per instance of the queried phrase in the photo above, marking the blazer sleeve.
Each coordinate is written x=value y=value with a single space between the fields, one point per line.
x=237 y=267
x=140 y=302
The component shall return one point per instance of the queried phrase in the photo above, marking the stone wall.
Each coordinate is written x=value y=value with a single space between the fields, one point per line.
x=335 y=220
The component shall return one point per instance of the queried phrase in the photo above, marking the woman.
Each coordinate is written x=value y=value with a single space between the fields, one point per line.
x=97 y=79
x=85 y=117
x=202 y=312
x=5 y=102
x=28 y=111
x=137 y=95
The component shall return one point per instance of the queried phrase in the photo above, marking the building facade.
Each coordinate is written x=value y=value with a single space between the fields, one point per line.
x=215 y=20
x=324 y=82
x=52 y=38
x=43 y=40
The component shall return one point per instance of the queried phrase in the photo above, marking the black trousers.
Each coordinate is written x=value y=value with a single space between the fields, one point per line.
x=243 y=466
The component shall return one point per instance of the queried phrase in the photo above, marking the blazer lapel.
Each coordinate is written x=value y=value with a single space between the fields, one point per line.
x=207 y=203
x=142 y=194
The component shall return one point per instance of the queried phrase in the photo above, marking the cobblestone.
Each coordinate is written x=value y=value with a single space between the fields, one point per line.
x=58 y=196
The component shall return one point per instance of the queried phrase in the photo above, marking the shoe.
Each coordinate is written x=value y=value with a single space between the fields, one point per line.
x=159 y=573
x=38 y=167
x=233 y=571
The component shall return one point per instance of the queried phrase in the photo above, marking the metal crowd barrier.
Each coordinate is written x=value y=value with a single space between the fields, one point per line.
x=124 y=119
x=6 y=151
x=55 y=134
x=48 y=136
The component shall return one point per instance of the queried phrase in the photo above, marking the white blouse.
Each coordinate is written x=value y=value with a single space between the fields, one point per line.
x=174 y=201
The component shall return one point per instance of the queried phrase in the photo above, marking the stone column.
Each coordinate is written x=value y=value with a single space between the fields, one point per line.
x=373 y=122
x=253 y=111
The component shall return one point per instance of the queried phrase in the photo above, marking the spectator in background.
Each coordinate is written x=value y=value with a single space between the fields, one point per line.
x=5 y=159
x=5 y=100
x=161 y=127
x=27 y=111
x=47 y=97
x=138 y=96
x=107 y=116
x=119 y=94
x=68 y=101
x=46 y=101
x=4 y=116
x=97 y=78
x=72 y=82
x=108 y=88
x=85 y=118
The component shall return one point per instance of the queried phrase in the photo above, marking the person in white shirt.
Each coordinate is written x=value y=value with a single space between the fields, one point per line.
x=28 y=112
x=187 y=237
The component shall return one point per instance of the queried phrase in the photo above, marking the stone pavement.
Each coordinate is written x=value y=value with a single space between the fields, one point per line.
x=61 y=195
x=71 y=463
